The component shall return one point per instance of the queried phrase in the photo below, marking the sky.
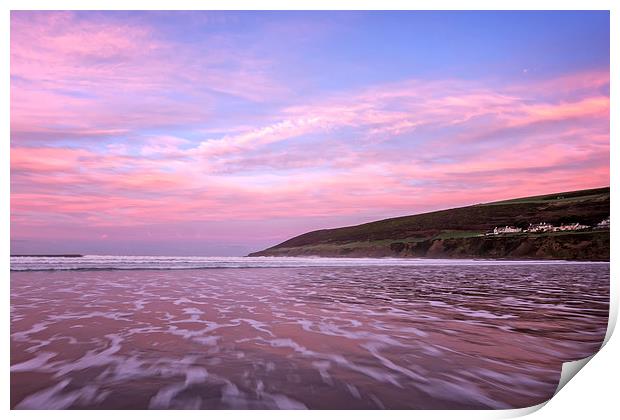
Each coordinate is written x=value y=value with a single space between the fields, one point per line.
x=221 y=133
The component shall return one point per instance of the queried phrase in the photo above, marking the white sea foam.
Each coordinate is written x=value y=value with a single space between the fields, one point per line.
x=431 y=334
x=107 y=262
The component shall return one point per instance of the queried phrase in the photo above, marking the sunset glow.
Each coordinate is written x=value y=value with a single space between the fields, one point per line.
x=220 y=133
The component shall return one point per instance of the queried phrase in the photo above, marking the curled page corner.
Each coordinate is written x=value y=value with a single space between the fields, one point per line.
x=569 y=370
x=520 y=412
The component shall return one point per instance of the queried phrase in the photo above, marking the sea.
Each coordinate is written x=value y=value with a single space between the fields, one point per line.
x=126 y=332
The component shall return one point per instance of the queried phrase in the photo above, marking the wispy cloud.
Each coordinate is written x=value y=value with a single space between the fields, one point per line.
x=72 y=76
x=115 y=125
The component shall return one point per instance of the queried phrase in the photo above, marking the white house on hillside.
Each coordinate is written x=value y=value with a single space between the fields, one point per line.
x=506 y=229
x=540 y=227
x=573 y=226
x=603 y=224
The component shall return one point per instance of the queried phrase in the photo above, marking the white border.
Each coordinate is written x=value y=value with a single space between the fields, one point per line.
x=592 y=394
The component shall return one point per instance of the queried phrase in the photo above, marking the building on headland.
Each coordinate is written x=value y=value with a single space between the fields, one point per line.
x=506 y=229
x=604 y=224
x=572 y=226
x=539 y=227
x=547 y=227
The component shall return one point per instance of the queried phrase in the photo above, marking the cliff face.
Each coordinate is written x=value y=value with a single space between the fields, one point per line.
x=590 y=246
x=459 y=233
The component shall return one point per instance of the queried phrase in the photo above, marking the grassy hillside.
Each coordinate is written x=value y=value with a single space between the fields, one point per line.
x=460 y=232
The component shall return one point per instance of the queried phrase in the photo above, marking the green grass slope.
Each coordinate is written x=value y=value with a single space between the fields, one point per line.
x=458 y=233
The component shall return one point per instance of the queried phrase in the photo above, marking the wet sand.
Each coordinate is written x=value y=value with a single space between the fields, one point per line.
x=428 y=337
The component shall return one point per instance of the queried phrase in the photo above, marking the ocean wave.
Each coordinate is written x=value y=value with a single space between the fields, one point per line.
x=105 y=262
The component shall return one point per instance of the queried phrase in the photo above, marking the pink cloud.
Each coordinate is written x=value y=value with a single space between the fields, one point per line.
x=46 y=159
x=383 y=112
x=386 y=150
x=72 y=77
x=370 y=181
x=595 y=107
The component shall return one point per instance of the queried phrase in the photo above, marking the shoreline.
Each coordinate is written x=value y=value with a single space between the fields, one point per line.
x=215 y=263
x=46 y=255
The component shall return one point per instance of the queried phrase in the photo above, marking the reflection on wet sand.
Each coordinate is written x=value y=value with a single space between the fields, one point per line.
x=337 y=337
